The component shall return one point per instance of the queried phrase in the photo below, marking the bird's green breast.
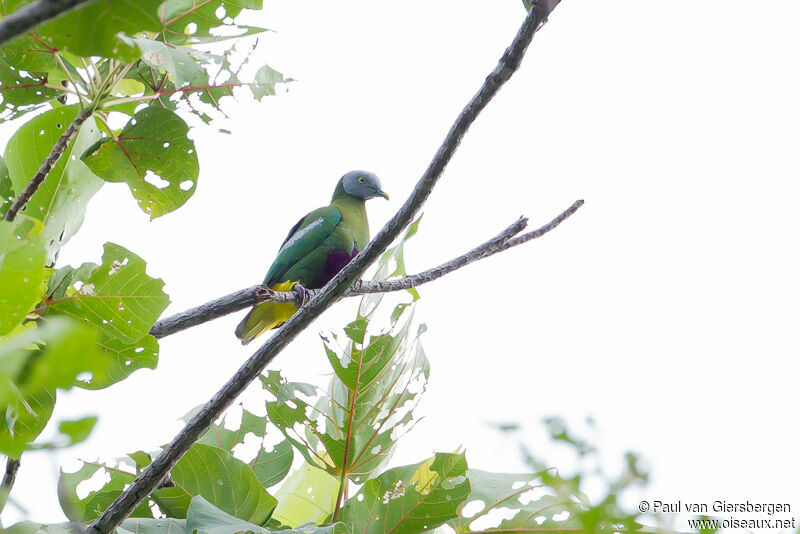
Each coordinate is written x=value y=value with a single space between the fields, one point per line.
x=353 y=228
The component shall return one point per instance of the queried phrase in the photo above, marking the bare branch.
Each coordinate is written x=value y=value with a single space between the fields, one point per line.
x=12 y=466
x=47 y=164
x=255 y=294
x=147 y=481
x=26 y=17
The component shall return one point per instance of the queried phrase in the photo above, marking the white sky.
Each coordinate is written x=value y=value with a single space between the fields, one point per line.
x=666 y=309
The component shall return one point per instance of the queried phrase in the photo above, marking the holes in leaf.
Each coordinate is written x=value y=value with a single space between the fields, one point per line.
x=191 y=28
x=166 y=144
x=186 y=185
x=561 y=516
x=493 y=518
x=154 y=179
x=220 y=12
x=472 y=508
x=97 y=481
x=86 y=377
x=41 y=132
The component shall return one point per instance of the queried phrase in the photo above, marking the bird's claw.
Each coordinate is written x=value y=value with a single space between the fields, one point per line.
x=303 y=294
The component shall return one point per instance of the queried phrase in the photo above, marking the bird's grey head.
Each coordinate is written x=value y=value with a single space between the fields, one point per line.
x=360 y=184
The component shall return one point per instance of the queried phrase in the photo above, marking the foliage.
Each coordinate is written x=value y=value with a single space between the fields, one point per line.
x=154 y=68
x=127 y=91
x=344 y=436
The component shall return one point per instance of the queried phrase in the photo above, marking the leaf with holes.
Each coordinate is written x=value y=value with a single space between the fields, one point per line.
x=411 y=499
x=22 y=259
x=535 y=503
x=22 y=90
x=26 y=51
x=33 y=363
x=186 y=21
x=122 y=302
x=95 y=503
x=269 y=466
x=60 y=202
x=154 y=157
x=377 y=385
x=182 y=67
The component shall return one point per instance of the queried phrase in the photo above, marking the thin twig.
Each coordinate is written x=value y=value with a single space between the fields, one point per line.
x=12 y=466
x=26 y=17
x=147 y=481
x=255 y=294
x=50 y=160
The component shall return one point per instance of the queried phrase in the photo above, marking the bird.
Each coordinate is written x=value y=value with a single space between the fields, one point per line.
x=317 y=247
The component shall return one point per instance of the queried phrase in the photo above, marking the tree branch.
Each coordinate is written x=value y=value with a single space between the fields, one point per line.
x=147 y=481
x=26 y=17
x=47 y=164
x=12 y=466
x=256 y=294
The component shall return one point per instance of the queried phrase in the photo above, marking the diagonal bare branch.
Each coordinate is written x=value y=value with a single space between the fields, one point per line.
x=28 y=16
x=253 y=295
x=12 y=466
x=51 y=159
x=150 y=477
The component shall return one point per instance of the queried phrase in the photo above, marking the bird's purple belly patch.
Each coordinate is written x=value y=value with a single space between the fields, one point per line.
x=334 y=263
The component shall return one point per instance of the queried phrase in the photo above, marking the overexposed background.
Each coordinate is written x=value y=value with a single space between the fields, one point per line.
x=666 y=308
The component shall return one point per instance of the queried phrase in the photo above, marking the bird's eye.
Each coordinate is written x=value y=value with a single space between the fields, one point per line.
x=362 y=180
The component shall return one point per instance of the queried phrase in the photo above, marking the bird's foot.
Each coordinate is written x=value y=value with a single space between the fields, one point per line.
x=303 y=295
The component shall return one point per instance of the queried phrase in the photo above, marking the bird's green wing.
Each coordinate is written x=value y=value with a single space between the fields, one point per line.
x=306 y=236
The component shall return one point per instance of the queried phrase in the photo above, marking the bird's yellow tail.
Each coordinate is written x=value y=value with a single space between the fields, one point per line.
x=266 y=316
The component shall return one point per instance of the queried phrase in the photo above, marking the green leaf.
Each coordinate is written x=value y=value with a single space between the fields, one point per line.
x=123 y=358
x=154 y=156
x=272 y=466
x=411 y=499
x=297 y=505
x=70 y=433
x=82 y=32
x=22 y=259
x=265 y=80
x=177 y=61
x=205 y=518
x=151 y=526
x=7 y=194
x=117 y=297
x=95 y=503
x=77 y=430
x=22 y=91
x=186 y=21
x=24 y=422
x=543 y=509
x=33 y=363
x=269 y=466
x=60 y=202
x=122 y=302
x=225 y=481
x=26 y=53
